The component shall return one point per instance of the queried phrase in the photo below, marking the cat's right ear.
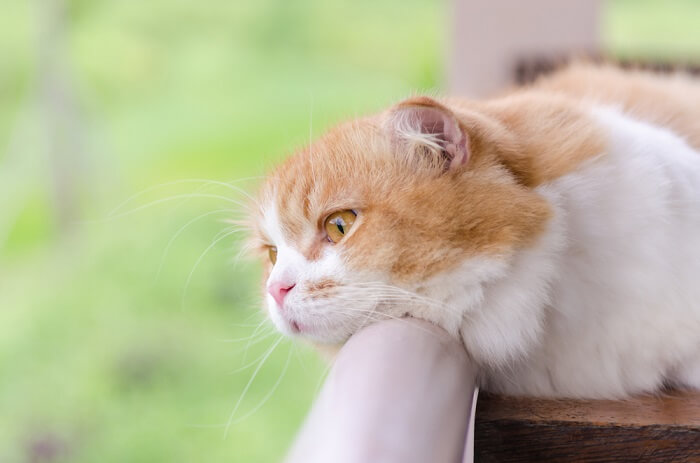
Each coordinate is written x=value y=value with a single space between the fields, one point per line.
x=428 y=133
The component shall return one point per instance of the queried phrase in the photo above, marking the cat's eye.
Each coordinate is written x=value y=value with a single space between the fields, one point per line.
x=338 y=224
x=272 y=252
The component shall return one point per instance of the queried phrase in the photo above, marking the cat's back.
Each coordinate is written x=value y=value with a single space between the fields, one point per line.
x=671 y=101
x=625 y=307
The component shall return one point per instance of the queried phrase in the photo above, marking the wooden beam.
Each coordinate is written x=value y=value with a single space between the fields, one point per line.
x=647 y=429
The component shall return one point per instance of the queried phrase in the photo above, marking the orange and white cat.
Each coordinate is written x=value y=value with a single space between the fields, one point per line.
x=555 y=230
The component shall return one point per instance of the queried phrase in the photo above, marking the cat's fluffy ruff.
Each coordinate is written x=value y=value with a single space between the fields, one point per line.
x=564 y=252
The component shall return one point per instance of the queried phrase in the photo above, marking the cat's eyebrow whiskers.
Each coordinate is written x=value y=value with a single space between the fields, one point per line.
x=220 y=236
x=245 y=248
x=182 y=229
x=156 y=202
x=203 y=182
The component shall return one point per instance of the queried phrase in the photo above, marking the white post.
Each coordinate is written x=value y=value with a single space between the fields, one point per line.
x=400 y=391
x=63 y=129
x=489 y=37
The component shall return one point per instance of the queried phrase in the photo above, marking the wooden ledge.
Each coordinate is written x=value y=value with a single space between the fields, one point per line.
x=663 y=429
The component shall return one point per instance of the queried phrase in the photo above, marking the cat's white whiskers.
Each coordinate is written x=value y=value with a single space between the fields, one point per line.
x=370 y=315
x=299 y=357
x=182 y=229
x=267 y=396
x=166 y=200
x=388 y=291
x=247 y=365
x=244 y=325
x=205 y=182
x=244 y=249
x=255 y=338
x=199 y=259
x=255 y=312
x=247 y=386
x=261 y=327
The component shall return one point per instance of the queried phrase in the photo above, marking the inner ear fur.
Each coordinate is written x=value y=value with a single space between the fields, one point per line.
x=429 y=132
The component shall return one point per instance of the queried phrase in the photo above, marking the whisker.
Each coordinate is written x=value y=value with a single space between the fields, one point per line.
x=181 y=181
x=165 y=200
x=182 y=229
x=377 y=316
x=269 y=394
x=247 y=386
x=411 y=294
x=196 y=264
x=249 y=364
x=244 y=325
x=255 y=331
x=248 y=338
x=300 y=358
x=384 y=297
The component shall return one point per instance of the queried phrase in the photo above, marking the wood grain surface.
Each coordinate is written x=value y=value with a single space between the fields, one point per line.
x=645 y=429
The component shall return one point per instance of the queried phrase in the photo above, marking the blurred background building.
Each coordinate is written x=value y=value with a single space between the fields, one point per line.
x=129 y=330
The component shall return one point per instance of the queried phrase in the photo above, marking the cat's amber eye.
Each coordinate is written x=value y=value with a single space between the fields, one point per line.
x=272 y=252
x=338 y=224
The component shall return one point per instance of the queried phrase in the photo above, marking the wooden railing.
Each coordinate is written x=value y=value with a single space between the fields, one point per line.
x=647 y=429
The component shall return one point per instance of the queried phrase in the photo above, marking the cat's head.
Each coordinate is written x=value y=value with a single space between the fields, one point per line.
x=408 y=212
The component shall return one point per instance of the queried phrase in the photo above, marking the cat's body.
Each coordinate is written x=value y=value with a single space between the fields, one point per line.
x=555 y=230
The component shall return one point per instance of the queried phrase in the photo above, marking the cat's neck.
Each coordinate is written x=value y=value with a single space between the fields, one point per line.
x=507 y=319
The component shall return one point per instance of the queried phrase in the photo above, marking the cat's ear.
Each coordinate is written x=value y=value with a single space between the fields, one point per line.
x=428 y=132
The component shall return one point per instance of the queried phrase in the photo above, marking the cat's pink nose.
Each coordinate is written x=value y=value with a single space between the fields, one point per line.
x=278 y=290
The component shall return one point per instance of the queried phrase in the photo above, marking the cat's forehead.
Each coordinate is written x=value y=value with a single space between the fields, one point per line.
x=336 y=172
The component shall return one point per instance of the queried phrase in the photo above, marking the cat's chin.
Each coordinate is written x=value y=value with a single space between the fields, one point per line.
x=322 y=334
x=311 y=332
x=319 y=340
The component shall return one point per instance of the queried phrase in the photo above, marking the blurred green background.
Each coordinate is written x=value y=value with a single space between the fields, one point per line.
x=125 y=337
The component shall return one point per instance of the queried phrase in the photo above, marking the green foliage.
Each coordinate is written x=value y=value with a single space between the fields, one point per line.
x=650 y=29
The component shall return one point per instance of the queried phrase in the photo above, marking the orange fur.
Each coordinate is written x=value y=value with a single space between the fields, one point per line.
x=417 y=221
x=671 y=101
x=481 y=216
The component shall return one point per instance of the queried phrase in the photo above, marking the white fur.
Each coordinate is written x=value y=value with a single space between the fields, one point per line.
x=323 y=321
x=608 y=303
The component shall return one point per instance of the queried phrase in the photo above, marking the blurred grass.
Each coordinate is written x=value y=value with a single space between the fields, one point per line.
x=653 y=30
x=102 y=358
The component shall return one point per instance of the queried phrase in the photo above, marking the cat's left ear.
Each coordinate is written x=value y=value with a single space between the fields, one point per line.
x=429 y=132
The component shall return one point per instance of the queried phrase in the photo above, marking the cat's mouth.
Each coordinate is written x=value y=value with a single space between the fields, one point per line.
x=325 y=319
x=296 y=327
x=319 y=329
x=292 y=326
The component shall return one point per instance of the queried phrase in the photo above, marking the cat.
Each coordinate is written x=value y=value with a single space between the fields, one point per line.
x=554 y=229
